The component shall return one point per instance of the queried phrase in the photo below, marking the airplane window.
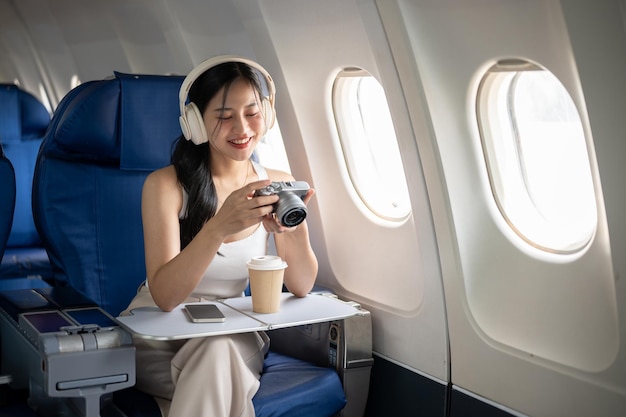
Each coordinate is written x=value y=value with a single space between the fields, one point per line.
x=75 y=81
x=43 y=95
x=271 y=150
x=369 y=144
x=536 y=154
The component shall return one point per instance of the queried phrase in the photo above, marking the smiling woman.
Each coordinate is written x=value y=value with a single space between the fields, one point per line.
x=201 y=225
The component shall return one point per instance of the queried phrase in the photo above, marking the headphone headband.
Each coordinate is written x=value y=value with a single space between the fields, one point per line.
x=217 y=60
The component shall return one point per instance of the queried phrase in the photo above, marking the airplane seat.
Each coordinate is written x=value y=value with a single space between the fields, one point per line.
x=7 y=200
x=104 y=139
x=7 y=207
x=23 y=122
x=88 y=180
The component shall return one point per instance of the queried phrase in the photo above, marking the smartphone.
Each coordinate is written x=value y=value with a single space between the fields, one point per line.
x=204 y=313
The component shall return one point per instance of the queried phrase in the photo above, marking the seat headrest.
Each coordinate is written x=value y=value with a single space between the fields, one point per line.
x=128 y=121
x=22 y=115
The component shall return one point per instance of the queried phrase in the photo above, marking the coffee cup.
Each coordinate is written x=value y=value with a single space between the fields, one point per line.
x=266 y=282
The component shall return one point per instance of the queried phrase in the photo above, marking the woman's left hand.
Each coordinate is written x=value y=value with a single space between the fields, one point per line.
x=271 y=223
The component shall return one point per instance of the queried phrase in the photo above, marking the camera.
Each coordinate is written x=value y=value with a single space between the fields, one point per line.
x=290 y=209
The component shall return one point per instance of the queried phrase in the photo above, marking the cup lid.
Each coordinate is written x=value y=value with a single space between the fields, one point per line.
x=266 y=263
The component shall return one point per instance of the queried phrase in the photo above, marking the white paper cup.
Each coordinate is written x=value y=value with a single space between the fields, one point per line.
x=266 y=282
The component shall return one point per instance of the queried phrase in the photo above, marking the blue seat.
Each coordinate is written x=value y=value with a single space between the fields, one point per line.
x=104 y=139
x=7 y=200
x=88 y=179
x=23 y=122
x=7 y=209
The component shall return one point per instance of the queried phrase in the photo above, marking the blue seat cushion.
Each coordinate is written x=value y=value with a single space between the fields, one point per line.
x=7 y=200
x=23 y=156
x=294 y=388
x=289 y=388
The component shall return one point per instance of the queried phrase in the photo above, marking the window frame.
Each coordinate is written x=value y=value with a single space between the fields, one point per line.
x=492 y=131
x=351 y=135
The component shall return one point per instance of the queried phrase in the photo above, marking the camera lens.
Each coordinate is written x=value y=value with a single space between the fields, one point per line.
x=293 y=217
x=290 y=210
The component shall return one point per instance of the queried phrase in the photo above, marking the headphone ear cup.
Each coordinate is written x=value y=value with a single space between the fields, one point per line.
x=194 y=130
x=268 y=113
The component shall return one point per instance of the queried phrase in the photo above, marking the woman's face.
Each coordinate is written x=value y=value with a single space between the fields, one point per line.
x=234 y=125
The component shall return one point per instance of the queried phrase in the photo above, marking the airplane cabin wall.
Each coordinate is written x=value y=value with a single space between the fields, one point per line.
x=516 y=315
x=392 y=270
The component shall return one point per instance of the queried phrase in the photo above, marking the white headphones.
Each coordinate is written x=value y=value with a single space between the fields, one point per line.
x=191 y=121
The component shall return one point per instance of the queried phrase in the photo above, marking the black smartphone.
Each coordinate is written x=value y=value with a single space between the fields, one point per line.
x=204 y=313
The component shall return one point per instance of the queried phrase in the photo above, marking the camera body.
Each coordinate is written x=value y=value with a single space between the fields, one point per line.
x=290 y=209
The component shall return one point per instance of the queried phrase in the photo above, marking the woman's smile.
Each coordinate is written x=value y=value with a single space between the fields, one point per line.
x=241 y=143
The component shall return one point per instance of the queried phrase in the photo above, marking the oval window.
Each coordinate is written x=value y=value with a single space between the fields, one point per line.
x=536 y=154
x=369 y=144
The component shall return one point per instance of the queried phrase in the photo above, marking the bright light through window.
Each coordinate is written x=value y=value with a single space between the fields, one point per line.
x=75 y=81
x=369 y=144
x=43 y=95
x=537 y=158
x=271 y=150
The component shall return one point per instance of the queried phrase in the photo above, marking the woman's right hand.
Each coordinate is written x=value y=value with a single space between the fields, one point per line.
x=242 y=209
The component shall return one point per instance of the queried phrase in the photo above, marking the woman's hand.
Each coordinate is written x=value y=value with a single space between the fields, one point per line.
x=242 y=209
x=271 y=223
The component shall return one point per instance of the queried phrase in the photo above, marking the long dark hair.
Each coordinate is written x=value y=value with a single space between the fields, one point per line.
x=192 y=162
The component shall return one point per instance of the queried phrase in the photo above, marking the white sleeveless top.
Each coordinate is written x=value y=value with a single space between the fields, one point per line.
x=227 y=275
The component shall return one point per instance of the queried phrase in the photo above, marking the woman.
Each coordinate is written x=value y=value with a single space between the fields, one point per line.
x=202 y=223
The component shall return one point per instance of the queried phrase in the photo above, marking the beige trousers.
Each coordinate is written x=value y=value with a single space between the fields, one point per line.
x=213 y=376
